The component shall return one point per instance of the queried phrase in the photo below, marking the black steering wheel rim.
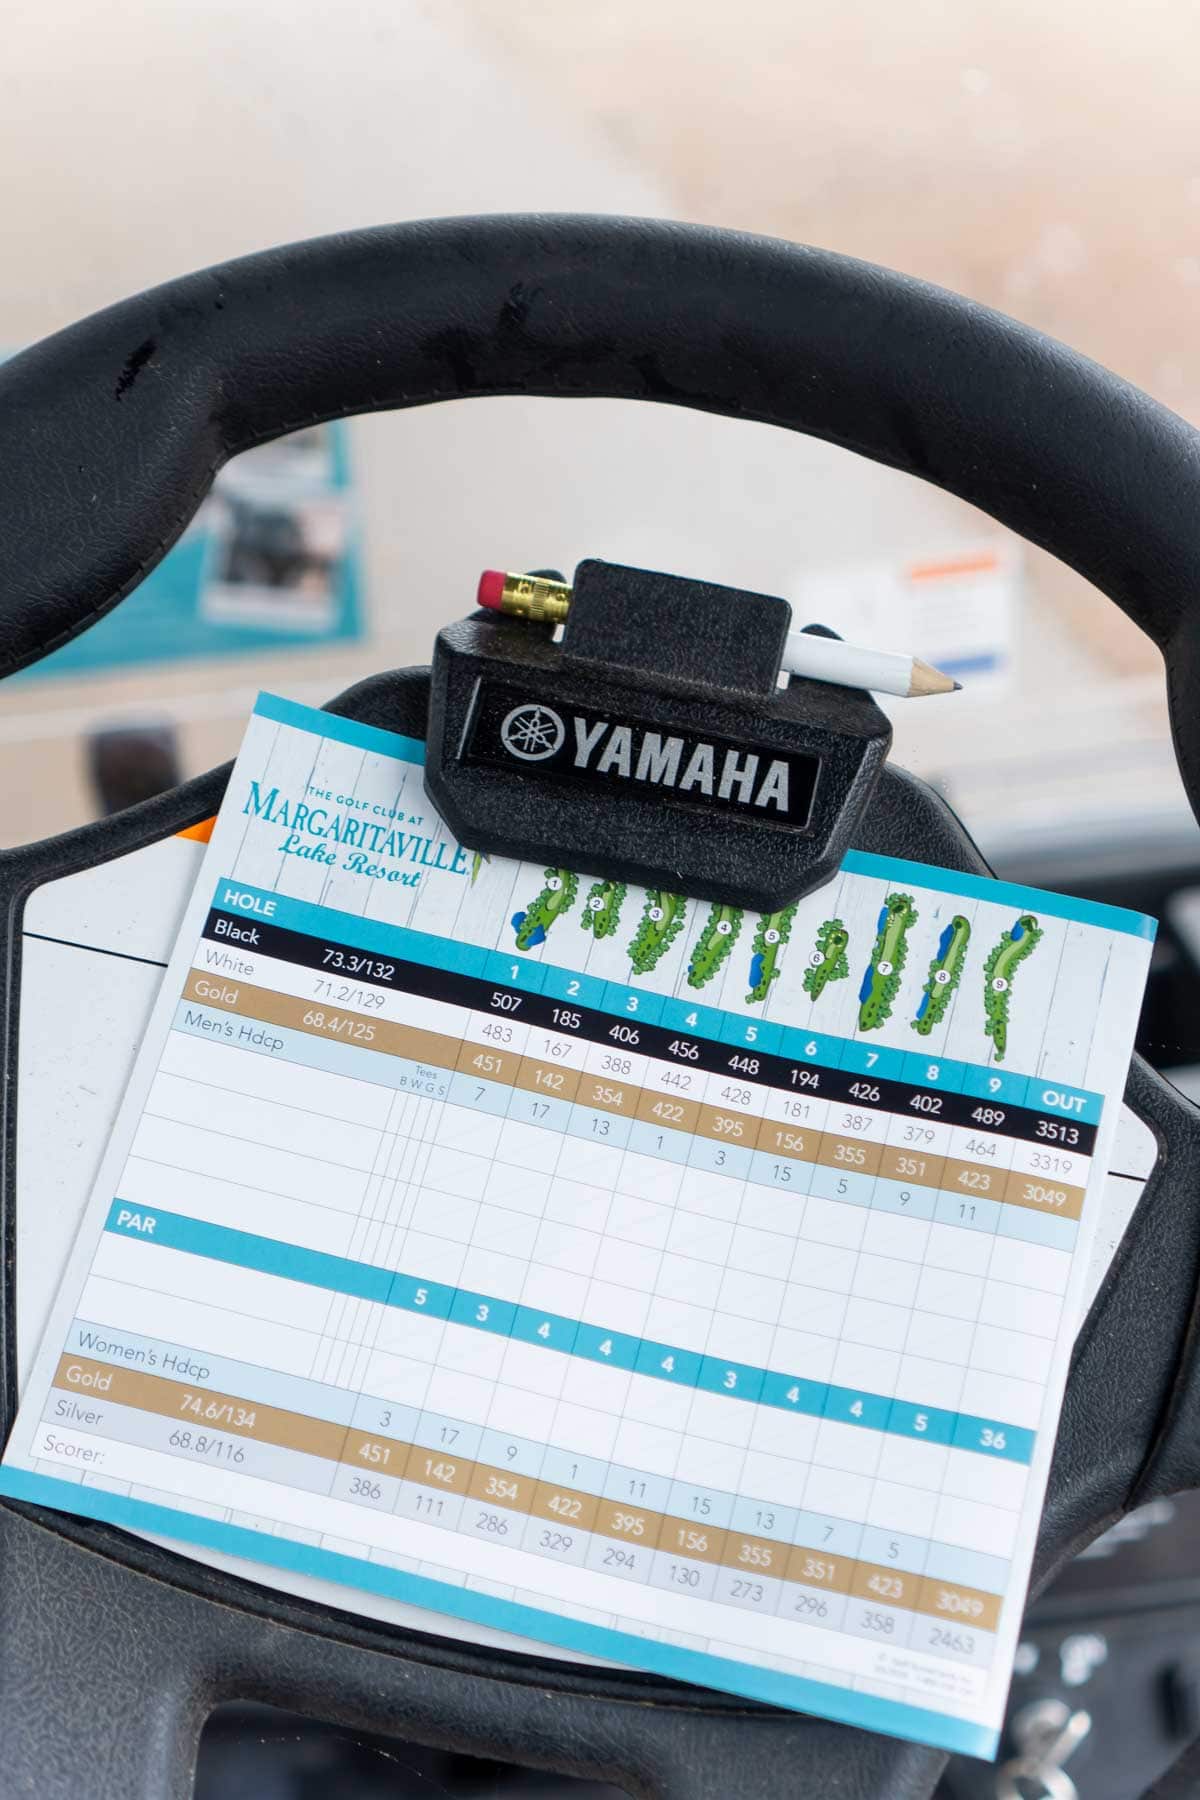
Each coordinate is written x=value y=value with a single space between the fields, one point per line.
x=112 y=430
x=111 y=433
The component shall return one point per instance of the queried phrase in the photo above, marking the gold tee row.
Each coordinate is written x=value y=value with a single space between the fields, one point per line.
x=825 y=1149
x=635 y=1526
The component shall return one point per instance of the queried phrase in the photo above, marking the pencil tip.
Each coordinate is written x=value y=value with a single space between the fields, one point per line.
x=928 y=680
x=957 y=689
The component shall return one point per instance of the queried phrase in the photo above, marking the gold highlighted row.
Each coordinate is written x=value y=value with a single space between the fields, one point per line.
x=827 y=1149
x=635 y=1526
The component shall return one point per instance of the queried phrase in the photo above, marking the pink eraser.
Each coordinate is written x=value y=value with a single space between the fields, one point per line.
x=491 y=588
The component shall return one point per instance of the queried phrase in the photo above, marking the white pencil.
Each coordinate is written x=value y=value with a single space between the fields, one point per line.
x=851 y=665
x=548 y=602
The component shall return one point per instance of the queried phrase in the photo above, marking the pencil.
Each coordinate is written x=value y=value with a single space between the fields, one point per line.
x=548 y=602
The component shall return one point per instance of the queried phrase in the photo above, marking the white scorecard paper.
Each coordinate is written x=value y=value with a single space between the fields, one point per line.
x=698 y=1288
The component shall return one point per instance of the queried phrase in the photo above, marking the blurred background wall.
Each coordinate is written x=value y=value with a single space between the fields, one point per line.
x=1044 y=162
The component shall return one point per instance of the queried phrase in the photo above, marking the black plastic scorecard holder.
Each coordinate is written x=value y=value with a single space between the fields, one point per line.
x=654 y=743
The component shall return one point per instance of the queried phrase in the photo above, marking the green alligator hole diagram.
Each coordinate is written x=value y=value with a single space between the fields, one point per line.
x=711 y=948
x=602 y=908
x=662 y=921
x=772 y=933
x=828 y=961
x=556 y=898
x=998 y=971
x=944 y=973
x=881 y=983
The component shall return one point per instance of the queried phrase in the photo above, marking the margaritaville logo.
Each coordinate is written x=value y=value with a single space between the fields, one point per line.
x=340 y=831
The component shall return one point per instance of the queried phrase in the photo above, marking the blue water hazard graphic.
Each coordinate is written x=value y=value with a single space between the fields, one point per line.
x=536 y=936
x=869 y=977
x=1017 y=932
x=943 y=946
x=756 y=968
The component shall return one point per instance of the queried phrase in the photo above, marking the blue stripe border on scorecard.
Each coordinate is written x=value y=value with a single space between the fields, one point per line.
x=797 y=1692
x=1003 y=893
x=993 y=1438
x=343 y=731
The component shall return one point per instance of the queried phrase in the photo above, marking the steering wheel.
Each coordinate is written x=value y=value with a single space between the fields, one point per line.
x=113 y=1650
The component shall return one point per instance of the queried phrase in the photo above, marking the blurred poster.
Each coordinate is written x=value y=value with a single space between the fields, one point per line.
x=270 y=562
x=957 y=610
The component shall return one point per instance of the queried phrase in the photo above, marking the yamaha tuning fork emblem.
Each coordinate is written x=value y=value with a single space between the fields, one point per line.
x=532 y=732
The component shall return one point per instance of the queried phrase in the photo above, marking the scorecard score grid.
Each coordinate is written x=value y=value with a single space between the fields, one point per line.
x=725 y=1405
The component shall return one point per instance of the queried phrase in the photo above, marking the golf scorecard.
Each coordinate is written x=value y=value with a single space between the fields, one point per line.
x=665 y=1283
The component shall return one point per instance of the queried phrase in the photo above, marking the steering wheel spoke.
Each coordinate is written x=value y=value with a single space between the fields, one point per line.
x=107 y=1675
x=101 y=1700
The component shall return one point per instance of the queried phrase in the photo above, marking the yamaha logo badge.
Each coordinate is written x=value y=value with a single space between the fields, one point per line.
x=602 y=751
x=532 y=732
